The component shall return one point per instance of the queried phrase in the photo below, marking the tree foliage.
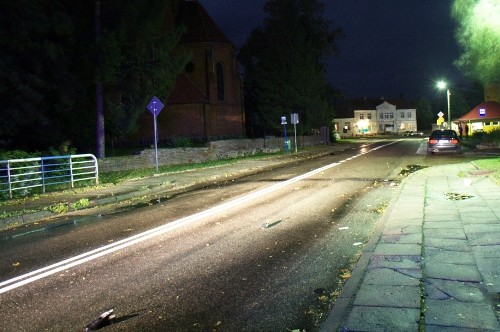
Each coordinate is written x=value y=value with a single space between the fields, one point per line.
x=425 y=116
x=478 y=33
x=137 y=63
x=36 y=84
x=49 y=62
x=284 y=70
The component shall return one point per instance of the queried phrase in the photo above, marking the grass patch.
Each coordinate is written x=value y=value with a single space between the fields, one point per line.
x=5 y=215
x=490 y=164
x=60 y=208
x=112 y=178
x=120 y=176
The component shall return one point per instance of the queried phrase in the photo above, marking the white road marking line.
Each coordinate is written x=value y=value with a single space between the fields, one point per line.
x=30 y=277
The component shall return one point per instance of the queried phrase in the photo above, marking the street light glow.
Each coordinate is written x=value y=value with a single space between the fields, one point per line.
x=442 y=85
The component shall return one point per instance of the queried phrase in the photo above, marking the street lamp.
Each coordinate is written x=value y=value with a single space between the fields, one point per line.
x=442 y=85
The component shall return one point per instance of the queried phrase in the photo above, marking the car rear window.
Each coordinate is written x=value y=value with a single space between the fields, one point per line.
x=444 y=134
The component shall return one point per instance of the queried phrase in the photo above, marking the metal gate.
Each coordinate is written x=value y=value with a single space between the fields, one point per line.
x=23 y=174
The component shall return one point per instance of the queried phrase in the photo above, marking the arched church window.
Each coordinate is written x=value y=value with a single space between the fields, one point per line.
x=219 y=72
x=189 y=67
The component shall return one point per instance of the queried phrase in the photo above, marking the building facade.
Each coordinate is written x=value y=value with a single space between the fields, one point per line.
x=384 y=118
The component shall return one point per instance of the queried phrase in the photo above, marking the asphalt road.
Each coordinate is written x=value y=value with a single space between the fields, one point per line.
x=217 y=259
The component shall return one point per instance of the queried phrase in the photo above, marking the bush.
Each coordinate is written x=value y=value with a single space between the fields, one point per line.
x=18 y=154
x=182 y=142
x=492 y=136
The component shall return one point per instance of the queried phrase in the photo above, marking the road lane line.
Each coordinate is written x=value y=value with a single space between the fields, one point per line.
x=30 y=277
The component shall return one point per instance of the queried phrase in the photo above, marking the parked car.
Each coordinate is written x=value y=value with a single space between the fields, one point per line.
x=444 y=141
x=412 y=133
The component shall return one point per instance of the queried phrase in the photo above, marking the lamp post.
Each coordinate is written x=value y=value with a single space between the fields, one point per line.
x=442 y=85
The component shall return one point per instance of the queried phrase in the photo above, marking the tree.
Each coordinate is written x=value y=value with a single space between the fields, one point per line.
x=137 y=60
x=37 y=87
x=284 y=72
x=478 y=33
x=48 y=68
x=425 y=116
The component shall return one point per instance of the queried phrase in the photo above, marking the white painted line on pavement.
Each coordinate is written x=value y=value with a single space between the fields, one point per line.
x=30 y=277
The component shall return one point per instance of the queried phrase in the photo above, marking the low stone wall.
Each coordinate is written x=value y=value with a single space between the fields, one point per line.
x=214 y=151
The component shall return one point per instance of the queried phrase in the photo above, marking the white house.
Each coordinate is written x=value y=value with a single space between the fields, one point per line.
x=384 y=119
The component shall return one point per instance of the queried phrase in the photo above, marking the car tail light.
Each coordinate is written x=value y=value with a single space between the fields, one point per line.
x=454 y=141
x=433 y=141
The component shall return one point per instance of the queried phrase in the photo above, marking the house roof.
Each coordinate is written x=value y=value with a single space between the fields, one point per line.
x=200 y=28
x=186 y=92
x=491 y=111
x=346 y=110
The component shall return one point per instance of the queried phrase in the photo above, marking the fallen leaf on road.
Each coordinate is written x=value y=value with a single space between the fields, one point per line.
x=16 y=264
x=346 y=274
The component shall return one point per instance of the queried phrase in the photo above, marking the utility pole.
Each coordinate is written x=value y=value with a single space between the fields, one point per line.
x=99 y=86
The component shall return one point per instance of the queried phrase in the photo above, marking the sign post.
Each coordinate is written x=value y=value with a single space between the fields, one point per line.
x=155 y=106
x=294 y=119
x=287 y=142
x=440 y=120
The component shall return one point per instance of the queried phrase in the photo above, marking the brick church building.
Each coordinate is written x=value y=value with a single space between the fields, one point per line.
x=207 y=100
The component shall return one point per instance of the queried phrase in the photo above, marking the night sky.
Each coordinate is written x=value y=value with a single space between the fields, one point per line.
x=391 y=47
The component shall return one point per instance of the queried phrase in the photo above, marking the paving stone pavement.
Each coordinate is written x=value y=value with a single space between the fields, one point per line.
x=434 y=262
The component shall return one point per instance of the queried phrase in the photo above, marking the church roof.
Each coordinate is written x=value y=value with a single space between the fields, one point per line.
x=491 y=110
x=200 y=28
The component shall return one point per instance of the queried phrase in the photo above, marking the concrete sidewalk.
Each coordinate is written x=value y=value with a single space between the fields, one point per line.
x=433 y=264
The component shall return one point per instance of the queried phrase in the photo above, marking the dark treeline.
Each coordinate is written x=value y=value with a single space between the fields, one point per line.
x=284 y=66
x=53 y=54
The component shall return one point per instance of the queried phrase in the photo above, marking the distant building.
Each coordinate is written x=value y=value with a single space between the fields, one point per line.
x=485 y=117
x=207 y=101
x=376 y=116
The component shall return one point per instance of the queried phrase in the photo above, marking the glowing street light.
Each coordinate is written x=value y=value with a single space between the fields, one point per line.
x=442 y=85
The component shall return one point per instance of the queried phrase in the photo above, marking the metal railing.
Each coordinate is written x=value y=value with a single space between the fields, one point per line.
x=24 y=174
